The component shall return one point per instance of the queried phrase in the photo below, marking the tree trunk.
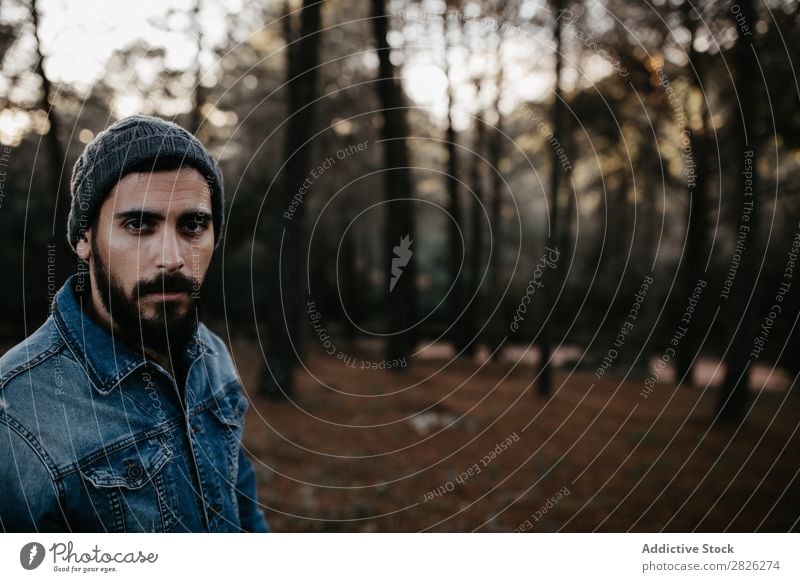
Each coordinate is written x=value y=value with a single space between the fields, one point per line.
x=55 y=152
x=400 y=293
x=349 y=289
x=199 y=91
x=455 y=223
x=734 y=394
x=283 y=300
x=495 y=153
x=697 y=211
x=545 y=385
x=476 y=241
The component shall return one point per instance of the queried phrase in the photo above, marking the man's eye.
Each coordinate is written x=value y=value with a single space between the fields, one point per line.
x=136 y=225
x=196 y=226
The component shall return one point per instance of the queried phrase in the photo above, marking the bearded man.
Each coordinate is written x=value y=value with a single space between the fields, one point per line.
x=123 y=412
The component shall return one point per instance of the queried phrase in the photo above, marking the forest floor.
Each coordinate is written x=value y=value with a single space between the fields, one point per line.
x=417 y=449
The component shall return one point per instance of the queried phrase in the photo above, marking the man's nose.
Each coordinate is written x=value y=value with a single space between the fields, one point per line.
x=171 y=256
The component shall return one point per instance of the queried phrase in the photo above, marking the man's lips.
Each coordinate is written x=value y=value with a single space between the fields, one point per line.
x=168 y=295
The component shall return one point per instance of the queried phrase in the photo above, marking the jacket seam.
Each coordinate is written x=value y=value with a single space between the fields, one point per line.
x=30 y=440
x=63 y=331
x=47 y=462
x=215 y=397
x=31 y=363
x=116 y=446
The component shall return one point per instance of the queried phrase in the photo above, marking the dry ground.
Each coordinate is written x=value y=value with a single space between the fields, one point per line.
x=358 y=450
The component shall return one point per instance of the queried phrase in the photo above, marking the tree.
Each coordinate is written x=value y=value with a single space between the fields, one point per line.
x=199 y=99
x=400 y=230
x=545 y=385
x=476 y=231
x=282 y=301
x=455 y=224
x=60 y=189
x=495 y=154
x=697 y=191
x=734 y=394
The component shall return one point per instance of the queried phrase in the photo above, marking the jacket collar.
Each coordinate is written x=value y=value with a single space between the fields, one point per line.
x=106 y=359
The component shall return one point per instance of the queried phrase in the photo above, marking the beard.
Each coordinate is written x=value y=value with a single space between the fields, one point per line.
x=169 y=329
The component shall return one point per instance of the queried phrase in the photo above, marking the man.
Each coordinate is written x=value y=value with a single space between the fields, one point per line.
x=122 y=412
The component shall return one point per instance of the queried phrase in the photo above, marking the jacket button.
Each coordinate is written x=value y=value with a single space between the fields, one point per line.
x=135 y=471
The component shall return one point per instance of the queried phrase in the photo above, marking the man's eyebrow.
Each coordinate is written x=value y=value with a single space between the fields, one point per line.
x=140 y=213
x=197 y=213
x=144 y=214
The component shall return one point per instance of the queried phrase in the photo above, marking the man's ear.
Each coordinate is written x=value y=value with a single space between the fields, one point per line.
x=84 y=247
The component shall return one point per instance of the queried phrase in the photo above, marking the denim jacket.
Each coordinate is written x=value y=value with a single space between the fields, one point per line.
x=93 y=437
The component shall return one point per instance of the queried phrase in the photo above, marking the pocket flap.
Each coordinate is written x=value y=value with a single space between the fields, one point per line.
x=130 y=467
x=229 y=407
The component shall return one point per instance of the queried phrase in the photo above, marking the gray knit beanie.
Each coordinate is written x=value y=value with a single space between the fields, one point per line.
x=127 y=146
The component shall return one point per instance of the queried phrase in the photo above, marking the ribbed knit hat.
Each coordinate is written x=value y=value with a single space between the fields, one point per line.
x=126 y=146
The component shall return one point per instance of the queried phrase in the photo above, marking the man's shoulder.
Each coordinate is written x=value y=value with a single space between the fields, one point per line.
x=227 y=389
x=218 y=355
x=212 y=340
x=36 y=350
x=34 y=388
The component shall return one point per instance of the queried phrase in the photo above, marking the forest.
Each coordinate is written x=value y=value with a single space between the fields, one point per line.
x=450 y=223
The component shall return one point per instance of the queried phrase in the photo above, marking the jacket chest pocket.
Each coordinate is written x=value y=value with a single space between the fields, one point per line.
x=217 y=447
x=226 y=426
x=129 y=489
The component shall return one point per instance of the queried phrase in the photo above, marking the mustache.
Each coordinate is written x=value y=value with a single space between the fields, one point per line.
x=168 y=283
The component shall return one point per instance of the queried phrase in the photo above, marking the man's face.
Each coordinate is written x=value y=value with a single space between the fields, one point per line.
x=149 y=254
